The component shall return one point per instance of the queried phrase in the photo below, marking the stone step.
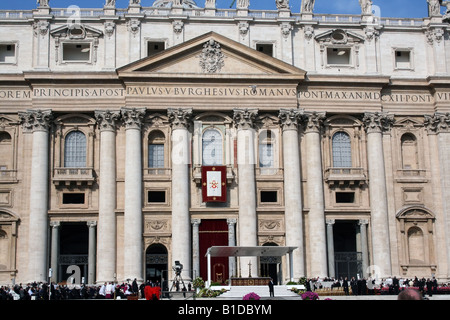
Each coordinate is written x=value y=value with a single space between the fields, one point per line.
x=239 y=292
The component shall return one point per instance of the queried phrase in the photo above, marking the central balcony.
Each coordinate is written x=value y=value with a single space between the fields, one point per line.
x=73 y=176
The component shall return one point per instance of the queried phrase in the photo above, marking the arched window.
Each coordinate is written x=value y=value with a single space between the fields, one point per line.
x=416 y=245
x=409 y=151
x=75 y=150
x=266 y=152
x=156 y=142
x=5 y=137
x=342 y=150
x=212 y=147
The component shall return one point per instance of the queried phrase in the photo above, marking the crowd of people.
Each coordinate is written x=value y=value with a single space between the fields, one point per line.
x=107 y=290
x=362 y=286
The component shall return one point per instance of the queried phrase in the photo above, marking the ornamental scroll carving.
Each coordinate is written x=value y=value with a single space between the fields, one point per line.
x=179 y=118
x=377 y=121
x=244 y=118
x=107 y=119
x=289 y=118
x=439 y=122
x=132 y=118
x=211 y=58
x=36 y=120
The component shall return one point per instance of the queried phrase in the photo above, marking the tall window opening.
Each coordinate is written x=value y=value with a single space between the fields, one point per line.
x=342 y=151
x=156 y=142
x=75 y=150
x=409 y=151
x=212 y=147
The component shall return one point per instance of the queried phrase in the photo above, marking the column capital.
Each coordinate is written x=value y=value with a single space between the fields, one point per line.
x=313 y=120
x=55 y=224
x=196 y=222
x=91 y=224
x=330 y=221
x=107 y=119
x=362 y=222
x=244 y=118
x=289 y=118
x=179 y=118
x=231 y=221
x=132 y=117
x=437 y=123
x=36 y=120
x=377 y=122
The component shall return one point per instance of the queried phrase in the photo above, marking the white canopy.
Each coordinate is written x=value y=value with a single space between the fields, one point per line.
x=257 y=251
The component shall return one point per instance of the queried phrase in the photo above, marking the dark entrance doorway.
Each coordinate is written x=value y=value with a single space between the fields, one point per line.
x=348 y=261
x=213 y=233
x=269 y=265
x=73 y=252
x=155 y=262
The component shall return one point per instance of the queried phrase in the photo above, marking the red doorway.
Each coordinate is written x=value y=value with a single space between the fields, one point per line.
x=213 y=233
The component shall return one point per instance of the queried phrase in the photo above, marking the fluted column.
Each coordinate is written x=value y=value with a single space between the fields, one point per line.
x=375 y=123
x=38 y=122
x=54 y=251
x=244 y=121
x=195 y=248
x=181 y=241
x=316 y=215
x=365 y=252
x=330 y=244
x=133 y=220
x=292 y=189
x=231 y=242
x=107 y=225
x=91 y=252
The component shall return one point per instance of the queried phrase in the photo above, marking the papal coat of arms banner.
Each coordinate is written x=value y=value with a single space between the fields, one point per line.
x=214 y=184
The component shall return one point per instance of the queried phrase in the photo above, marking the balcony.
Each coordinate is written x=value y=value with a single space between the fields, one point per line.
x=411 y=175
x=73 y=176
x=157 y=174
x=8 y=176
x=340 y=177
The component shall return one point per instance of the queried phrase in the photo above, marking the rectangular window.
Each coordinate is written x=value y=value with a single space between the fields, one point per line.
x=73 y=198
x=345 y=197
x=403 y=59
x=154 y=47
x=266 y=48
x=77 y=52
x=156 y=196
x=156 y=156
x=8 y=53
x=338 y=56
x=266 y=155
x=269 y=196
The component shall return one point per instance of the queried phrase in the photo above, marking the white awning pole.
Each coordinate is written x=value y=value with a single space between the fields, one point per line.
x=208 y=255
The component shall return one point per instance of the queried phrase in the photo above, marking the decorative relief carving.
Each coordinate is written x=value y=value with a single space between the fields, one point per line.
x=212 y=58
x=244 y=118
x=179 y=118
x=107 y=119
x=439 y=122
x=289 y=118
x=378 y=121
x=313 y=121
x=36 y=120
x=272 y=225
x=132 y=118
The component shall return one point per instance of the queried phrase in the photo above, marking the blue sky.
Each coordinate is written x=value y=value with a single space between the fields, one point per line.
x=388 y=8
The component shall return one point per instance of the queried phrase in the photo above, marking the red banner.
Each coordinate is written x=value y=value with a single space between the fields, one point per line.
x=214 y=183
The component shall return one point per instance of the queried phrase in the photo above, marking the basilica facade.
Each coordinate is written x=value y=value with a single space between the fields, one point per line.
x=134 y=139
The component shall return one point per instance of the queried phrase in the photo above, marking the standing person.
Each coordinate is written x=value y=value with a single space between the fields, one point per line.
x=109 y=291
x=271 y=288
x=134 y=287
x=345 y=285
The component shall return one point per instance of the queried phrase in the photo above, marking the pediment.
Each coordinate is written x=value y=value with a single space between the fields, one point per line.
x=339 y=36
x=211 y=55
x=76 y=31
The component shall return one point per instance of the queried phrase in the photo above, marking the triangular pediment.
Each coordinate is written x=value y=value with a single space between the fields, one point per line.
x=214 y=56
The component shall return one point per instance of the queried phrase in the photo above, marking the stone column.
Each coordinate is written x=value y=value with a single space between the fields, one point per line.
x=365 y=252
x=248 y=220
x=293 y=189
x=231 y=242
x=92 y=251
x=133 y=220
x=316 y=215
x=438 y=129
x=38 y=122
x=195 y=248
x=107 y=225
x=55 y=225
x=375 y=123
x=330 y=244
x=181 y=241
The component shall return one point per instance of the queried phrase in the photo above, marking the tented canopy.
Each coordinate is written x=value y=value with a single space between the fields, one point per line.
x=257 y=251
